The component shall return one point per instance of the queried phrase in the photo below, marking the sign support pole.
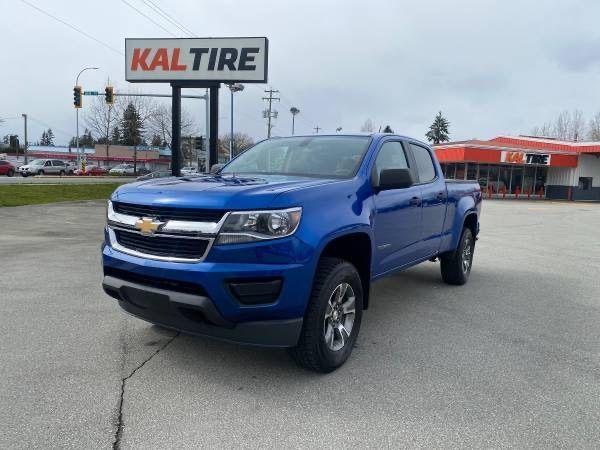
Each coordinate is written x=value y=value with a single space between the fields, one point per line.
x=176 y=131
x=213 y=157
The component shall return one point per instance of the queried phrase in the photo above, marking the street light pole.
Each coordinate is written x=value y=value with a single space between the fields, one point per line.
x=294 y=111
x=233 y=87
x=25 y=148
x=79 y=156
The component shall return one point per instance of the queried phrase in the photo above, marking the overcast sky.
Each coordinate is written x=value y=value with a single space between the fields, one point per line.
x=492 y=67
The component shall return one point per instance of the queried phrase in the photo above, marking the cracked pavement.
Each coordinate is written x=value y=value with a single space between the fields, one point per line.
x=511 y=359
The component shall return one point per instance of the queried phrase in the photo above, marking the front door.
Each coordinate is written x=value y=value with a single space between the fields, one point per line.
x=397 y=221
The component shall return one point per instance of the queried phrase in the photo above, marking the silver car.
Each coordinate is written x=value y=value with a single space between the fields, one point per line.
x=45 y=167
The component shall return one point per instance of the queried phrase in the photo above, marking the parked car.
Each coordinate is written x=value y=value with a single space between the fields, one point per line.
x=157 y=174
x=122 y=169
x=92 y=171
x=189 y=170
x=142 y=171
x=44 y=167
x=7 y=168
x=281 y=246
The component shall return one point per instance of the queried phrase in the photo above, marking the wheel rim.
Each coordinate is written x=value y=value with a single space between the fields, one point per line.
x=339 y=317
x=467 y=254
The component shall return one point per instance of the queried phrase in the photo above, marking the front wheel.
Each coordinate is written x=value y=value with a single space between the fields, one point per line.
x=456 y=265
x=332 y=319
x=40 y=172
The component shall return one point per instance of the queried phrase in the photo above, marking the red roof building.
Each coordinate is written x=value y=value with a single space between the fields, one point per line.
x=510 y=166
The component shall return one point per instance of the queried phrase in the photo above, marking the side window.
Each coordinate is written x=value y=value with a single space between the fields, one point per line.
x=425 y=166
x=48 y=163
x=391 y=156
x=57 y=163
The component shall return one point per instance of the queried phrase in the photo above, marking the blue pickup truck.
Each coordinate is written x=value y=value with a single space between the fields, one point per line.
x=281 y=245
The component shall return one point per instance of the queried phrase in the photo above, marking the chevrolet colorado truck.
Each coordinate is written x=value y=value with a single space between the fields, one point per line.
x=280 y=247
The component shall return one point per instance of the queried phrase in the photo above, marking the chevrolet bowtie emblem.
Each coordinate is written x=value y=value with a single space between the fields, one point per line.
x=147 y=225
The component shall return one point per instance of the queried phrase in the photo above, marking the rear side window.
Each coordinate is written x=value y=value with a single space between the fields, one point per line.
x=425 y=166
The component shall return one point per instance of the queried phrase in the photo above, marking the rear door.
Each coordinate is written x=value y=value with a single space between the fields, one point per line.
x=434 y=198
x=397 y=220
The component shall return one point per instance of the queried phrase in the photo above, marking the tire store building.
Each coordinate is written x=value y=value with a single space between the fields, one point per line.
x=525 y=167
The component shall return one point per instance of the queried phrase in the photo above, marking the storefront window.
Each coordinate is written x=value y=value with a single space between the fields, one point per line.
x=483 y=175
x=460 y=171
x=493 y=178
x=541 y=172
x=504 y=179
x=450 y=169
x=528 y=179
x=516 y=180
x=472 y=171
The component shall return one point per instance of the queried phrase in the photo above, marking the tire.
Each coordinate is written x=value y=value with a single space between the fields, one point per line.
x=456 y=265
x=62 y=173
x=23 y=174
x=40 y=172
x=10 y=173
x=312 y=351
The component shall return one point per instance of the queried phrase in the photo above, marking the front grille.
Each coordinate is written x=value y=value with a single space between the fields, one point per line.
x=164 y=213
x=162 y=246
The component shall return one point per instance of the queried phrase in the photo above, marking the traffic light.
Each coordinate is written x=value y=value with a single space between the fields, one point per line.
x=77 y=97
x=109 y=95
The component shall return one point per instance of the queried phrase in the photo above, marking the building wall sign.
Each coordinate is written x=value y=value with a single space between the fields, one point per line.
x=223 y=60
x=542 y=159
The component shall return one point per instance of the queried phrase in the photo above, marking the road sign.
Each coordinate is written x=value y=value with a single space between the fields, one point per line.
x=90 y=92
x=222 y=60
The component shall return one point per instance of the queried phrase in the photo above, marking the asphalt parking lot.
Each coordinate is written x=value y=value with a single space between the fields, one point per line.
x=511 y=359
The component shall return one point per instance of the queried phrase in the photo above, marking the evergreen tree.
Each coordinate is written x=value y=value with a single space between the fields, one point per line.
x=115 y=136
x=438 y=131
x=156 y=140
x=131 y=126
x=388 y=129
x=50 y=137
x=44 y=139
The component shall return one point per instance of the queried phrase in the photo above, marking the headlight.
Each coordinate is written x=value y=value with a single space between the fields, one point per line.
x=250 y=226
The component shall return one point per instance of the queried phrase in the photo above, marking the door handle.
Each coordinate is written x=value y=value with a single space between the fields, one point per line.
x=415 y=201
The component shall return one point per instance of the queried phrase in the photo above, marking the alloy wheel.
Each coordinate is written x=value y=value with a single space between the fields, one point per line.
x=339 y=317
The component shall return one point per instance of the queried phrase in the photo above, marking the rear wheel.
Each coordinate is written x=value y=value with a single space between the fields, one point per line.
x=456 y=266
x=62 y=173
x=10 y=173
x=333 y=317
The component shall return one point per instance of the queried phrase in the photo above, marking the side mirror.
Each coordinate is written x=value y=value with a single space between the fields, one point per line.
x=394 y=179
x=216 y=168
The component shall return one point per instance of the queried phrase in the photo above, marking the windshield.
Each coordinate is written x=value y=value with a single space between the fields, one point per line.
x=37 y=162
x=326 y=157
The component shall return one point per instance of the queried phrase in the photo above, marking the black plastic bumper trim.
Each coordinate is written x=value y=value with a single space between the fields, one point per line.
x=196 y=314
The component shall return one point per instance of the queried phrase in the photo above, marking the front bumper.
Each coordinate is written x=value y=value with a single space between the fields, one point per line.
x=196 y=314
x=202 y=298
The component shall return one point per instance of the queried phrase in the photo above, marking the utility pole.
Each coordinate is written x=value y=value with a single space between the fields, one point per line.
x=294 y=112
x=25 y=148
x=269 y=113
x=317 y=128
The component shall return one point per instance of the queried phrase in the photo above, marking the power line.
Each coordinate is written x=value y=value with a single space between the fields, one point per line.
x=148 y=17
x=170 y=18
x=89 y=36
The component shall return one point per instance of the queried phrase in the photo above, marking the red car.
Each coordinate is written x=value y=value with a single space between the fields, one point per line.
x=7 y=168
x=92 y=171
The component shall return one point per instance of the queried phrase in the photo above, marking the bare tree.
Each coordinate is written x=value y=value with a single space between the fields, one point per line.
x=159 y=123
x=562 y=126
x=367 y=126
x=594 y=128
x=101 y=120
x=241 y=141
x=577 y=128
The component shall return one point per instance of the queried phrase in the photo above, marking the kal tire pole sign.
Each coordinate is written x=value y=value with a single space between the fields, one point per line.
x=224 y=60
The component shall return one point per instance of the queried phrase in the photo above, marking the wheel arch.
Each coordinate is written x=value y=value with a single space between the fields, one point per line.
x=356 y=248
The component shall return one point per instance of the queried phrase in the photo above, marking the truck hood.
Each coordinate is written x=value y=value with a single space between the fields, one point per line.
x=214 y=191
